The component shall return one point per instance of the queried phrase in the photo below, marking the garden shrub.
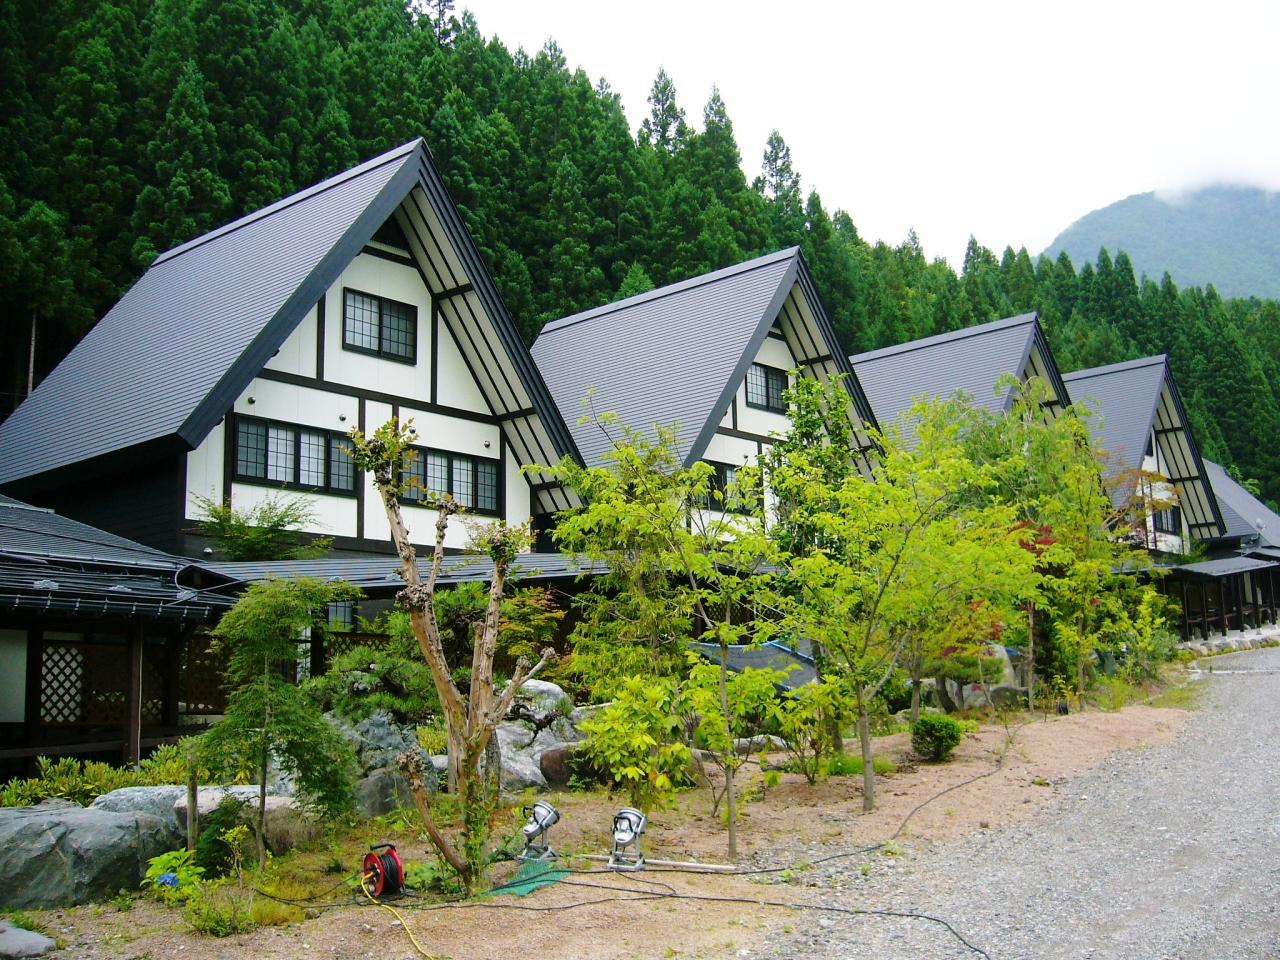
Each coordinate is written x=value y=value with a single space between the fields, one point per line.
x=173 y=876
x=213 y=854
x=934 y=736
x=219 y=909
x=636 y=740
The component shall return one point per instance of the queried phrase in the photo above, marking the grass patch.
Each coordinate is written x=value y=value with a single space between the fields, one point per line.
x=851 y=765
x=1185 y=696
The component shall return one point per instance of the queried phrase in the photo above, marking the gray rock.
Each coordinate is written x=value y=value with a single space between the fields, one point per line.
x=543 y=695
x=766 y=742
x=383 y=791
x=16 y=942
x=63 y=856
x=520 y=768
x=377 y=740
x=440 y=764
x=159 y=802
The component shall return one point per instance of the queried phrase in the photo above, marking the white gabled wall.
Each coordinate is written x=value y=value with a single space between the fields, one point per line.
x=381 y=278
x=772 y=353
x=332 y=409
x=297 y=355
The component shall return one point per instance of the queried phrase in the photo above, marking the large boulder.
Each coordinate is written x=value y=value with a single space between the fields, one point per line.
x=59 y=856
x=544 y=696
x=520 y=768
x=384 y=791
x=377 y=739
x=158 y=802
x=16 y=942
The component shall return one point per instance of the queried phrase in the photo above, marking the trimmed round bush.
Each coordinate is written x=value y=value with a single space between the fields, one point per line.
x=935 y=735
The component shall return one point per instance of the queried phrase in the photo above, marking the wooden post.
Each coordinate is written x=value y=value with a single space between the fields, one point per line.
x=31 y=706
x=193 y=797
x=133 y=725
x=1204 y=611
x=1222 y=606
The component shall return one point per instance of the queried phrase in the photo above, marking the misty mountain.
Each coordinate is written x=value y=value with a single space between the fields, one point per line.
x=1225 y=235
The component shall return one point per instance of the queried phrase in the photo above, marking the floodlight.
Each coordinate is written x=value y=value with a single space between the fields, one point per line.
x=542 y=816
x=628 y=828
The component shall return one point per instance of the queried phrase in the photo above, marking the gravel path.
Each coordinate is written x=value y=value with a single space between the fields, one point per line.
x=1171 y=852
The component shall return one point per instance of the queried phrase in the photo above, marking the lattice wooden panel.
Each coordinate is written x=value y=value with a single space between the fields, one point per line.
x=202 y=673
x=62 y=682
x=336 y=644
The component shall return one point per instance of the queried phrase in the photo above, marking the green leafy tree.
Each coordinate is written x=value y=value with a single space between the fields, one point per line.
x=266 y=531
x=266 y=714
x=686 y=561
x=470 y=718
x=884 y=542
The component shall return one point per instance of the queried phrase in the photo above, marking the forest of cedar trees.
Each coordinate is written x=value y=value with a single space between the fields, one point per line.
x=129 y=127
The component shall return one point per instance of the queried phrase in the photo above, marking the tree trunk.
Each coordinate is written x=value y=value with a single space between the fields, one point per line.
x=31 y=357
x=266 y=761
x=1031 y=656
x=868 y=760
x=835 y=736
x=731 y=801
x=917 y=667
x=193 y=799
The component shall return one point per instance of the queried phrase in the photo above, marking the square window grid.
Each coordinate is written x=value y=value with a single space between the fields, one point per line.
x=360 y=327
x=280 y=442
x=313 y=450
x=251 y=449
x=342 y=469
x=397 y=330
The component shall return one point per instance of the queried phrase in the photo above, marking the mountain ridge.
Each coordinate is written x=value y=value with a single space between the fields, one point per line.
x=1223 y=234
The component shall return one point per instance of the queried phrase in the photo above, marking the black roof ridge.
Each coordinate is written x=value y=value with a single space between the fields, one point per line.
x=951 y=336
x=288 y=201
x=1085 y=374
x=702 y=279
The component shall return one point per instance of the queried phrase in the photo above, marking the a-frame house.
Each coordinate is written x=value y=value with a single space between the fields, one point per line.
x=239 y=361
x=970 y=361
x=709 y=356
x=1144 y=431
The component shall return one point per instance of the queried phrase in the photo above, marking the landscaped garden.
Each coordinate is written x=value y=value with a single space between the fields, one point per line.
x=913 y=604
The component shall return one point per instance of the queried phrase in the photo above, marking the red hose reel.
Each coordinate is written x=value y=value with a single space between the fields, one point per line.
x=382 y=874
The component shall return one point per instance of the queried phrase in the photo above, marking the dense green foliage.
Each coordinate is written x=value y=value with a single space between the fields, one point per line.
x=1225 y=235
x=266 y=714
x=83 y=781
x=133 y=125
x=935 y=735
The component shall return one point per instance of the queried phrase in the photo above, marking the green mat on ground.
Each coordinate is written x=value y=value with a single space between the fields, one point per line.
x=532 y=876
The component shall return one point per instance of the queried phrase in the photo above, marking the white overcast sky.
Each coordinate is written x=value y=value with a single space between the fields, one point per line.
x=1005 y=120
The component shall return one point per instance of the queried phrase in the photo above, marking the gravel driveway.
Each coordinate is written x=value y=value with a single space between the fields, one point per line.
x=1171 y=852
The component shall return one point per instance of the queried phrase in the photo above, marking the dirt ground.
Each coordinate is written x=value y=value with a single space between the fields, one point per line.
x=1025 y=763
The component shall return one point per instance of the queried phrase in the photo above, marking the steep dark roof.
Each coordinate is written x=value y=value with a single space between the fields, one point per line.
x=676 y=355
x=1244 y=514
x=52 y=565
x=34 y=533
x=970 y=361
x=1134 y=398
x=170 y=358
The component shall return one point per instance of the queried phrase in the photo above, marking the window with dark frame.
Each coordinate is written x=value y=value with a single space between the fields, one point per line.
x=284 y=454
x=378 y=326
x=765 y=385
x=472 y=481
x=1168 y=520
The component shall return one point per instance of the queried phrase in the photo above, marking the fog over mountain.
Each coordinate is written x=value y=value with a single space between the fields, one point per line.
x=1224 y=234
